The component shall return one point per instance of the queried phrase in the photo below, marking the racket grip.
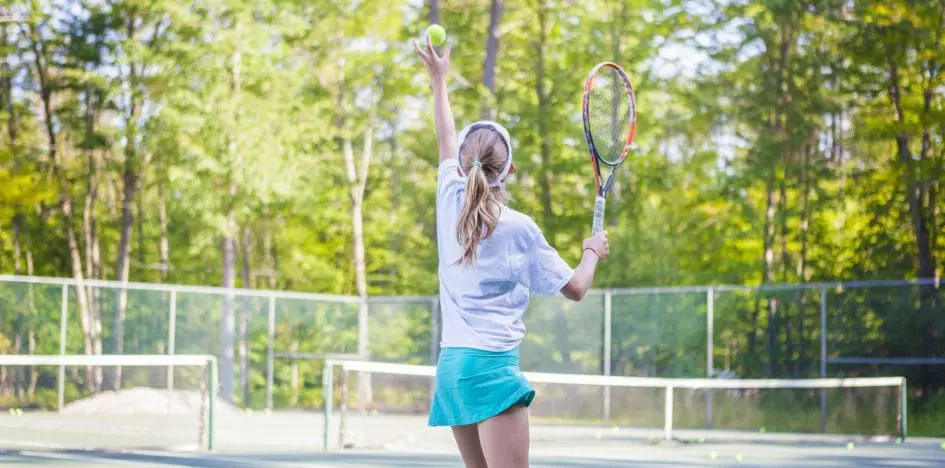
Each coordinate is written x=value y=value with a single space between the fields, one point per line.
x=598 y=215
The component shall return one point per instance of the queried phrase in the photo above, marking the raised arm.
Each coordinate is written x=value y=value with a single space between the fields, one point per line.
x=438 y=67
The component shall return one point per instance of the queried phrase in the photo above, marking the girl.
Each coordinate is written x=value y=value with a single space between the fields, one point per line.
x=491 y=258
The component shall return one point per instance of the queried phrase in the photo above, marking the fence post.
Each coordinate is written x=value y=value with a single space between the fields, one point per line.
x=171 y=344
x=668 y=414
x=63 y=313
x=270 y=353
x=608 y=348
x=328 y=384
x=710 y=348
x=823 y=358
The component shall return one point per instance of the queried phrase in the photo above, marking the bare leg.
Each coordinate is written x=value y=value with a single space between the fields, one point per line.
x=504 y=439
x=467 y=439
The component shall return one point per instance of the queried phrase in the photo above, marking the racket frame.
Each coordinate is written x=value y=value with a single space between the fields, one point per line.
x=603 y=187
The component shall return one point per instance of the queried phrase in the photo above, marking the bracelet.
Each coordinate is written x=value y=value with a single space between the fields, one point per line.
x=592 y=250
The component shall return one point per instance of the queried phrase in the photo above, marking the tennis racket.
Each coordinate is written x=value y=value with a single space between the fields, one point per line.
x=610 y=123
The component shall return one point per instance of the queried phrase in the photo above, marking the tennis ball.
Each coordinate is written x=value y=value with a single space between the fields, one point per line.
x=942 y=445
x=437 y=34
x=248 y=411
x=850 y=445
x=615 y=429
x=739 y=458
x=702 y=440
x=898 y=440
x=713 y=455
x=12 y=411
x=762 y=430
x=19 y=412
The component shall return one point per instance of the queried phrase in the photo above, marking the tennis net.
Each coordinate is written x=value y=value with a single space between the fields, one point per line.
x=108 y=401
x=657 y=408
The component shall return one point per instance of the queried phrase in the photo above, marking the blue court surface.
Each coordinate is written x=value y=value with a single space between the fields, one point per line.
x=295 y=440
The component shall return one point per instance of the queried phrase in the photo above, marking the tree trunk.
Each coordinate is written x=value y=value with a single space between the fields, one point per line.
x=433 y=11
x=20 y=325
x=244 y=316
x=920 y=227
x=357 y=179
x=492 y=53
x=228 y=323
x=270 y=255
x=164 y=245
x=544 y=177
x=139 y=222
x=89 y=218
x=130 y=183
x=91 y=325
x=801 y=343
x=774 y=322
x=769 y=260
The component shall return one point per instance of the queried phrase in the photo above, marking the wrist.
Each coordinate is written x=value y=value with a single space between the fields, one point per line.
x=438 y=80
x=593 y=253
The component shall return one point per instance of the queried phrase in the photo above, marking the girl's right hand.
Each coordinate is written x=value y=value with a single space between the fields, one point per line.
x=437 y=65
x=598 y=244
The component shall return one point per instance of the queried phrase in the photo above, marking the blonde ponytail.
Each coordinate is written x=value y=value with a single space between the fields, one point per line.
x=483 y=155
x=479 y=216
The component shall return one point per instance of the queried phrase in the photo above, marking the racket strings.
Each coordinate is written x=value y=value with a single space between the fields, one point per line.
x=611 y=112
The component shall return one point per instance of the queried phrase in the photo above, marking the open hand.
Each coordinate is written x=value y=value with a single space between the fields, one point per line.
x=437 y=65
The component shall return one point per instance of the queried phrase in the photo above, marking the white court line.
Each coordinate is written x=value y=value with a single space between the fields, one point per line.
x=87 y=458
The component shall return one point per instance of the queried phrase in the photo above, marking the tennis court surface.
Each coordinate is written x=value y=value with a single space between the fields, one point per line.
x=294 y=439
x=165 y=416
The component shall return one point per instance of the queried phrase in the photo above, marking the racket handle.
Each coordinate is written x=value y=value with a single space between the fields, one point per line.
x=598 y=215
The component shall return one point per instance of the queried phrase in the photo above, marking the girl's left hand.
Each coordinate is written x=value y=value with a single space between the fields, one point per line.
x=437 y=65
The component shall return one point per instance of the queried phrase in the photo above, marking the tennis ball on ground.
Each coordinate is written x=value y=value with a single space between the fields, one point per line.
x=713 y=455
x=942 y=445
x=739 y=458
x=850 y=446
x=762 y=430
x=702 y=440
x=248 y=411
x=615 y=429
x=437 y=34
x=11 y=411
x=19 y=412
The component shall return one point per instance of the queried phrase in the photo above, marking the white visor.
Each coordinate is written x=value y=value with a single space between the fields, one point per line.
x=505 y=137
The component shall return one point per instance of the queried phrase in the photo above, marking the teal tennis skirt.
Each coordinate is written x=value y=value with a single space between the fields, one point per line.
x=473 y=385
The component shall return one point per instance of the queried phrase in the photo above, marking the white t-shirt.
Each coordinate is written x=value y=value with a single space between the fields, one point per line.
x=482 y=304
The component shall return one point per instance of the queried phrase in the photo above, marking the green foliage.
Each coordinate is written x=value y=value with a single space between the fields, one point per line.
x=779 y=141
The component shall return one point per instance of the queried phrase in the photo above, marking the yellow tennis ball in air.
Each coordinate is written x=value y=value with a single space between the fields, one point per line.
x=437 y=34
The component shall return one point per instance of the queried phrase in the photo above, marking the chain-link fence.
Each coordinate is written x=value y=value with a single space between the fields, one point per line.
x=271 y=344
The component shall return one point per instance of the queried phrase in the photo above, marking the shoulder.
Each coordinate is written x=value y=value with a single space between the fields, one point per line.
x=520 y=228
